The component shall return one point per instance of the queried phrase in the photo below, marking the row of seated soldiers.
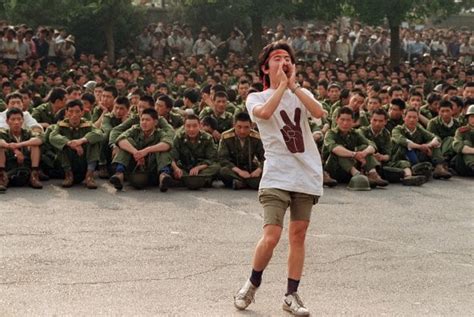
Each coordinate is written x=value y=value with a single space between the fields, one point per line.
x=145 y=146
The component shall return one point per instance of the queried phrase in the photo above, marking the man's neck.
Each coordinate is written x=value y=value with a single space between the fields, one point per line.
x=148 y=133
x=16 y=133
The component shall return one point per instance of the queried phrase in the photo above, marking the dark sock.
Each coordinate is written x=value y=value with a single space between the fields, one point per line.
x=256 y=278
x=292 y=286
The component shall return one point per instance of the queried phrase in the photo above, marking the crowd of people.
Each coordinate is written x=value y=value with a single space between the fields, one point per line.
x=171 y=110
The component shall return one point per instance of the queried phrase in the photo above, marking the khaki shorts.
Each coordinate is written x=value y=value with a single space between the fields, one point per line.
x=275 y=202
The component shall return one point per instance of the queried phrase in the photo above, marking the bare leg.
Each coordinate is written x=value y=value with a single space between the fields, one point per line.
x=3 y=158
x=265 y=247
x=35 y=154
x=297 y=234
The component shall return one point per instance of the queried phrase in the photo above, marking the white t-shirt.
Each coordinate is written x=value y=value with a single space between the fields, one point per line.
x=28 y=123
x=295 y=164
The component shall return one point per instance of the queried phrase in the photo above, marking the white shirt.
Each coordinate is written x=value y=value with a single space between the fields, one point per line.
x=28 y=123
x=294 y=165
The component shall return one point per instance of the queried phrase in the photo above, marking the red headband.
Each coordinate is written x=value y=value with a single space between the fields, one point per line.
x=272 y=53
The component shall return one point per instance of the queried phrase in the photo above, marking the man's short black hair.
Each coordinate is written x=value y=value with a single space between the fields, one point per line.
x=112 y=90
x=56 y=94
x=13 y=95
x=399 y=103
x=148 y=99
x=167 y=100
x=123 y=101
x=346 y=110
x=433 y=97
x=210 y=121
x=381 y=112
x=151 y=112
x=88 y=97
x=74 y=103
x=220 y=94
x=192 y=95
x=242 y=116
x=12 y=111
x=191 y=117
x=446 y=104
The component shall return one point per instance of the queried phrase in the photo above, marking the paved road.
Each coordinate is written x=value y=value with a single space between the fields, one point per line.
x=400 y=251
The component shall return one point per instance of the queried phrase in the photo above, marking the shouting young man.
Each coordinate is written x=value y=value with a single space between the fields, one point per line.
x=292 y=173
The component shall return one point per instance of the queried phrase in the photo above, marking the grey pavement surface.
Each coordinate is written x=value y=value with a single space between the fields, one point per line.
x=398 y=251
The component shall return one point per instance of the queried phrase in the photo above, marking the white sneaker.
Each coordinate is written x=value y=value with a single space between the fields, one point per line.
x=245 y=296
x=294 y=305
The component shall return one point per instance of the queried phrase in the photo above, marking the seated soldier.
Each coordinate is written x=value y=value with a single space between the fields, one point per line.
x=430 y=110
x=19 y=151
x=415 y=144
x=190 y=102
x=164 y=106
x=463 y=145
x=241 y=155
x=144 y=149
x=218 y=112
x=350 y=152
x=104 y=106
x=78 y=143
x=209 y=125
x=145 y=102
x=356 y=103
x=194 y=155
x=117 y=116
x=51 y=112
x=392 y=171
x=14 y=100
x=444 y=126
x=395 y=114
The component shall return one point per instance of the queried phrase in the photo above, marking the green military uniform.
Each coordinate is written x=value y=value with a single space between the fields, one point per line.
x=155 y=162
x=334 y=107
x=231 y=107
x=340 y=167
x=96 y=113
x=392 y=123
x=194 y=107
x=62 y=132
x=446 y=133
x=427 y=112
x=391 y=170
x=247 y=156
x=326 y=103
x=3 y=105
x=464 y=163
x=44 y=114
x=108 y=123
x=175 y=119
x=13 y=169
x=360 y=117
x=135 y=119
x=401 y=137
x=188 y=155
x=224 y=121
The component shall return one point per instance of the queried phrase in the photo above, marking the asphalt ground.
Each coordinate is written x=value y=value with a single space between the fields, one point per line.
x=400 y=251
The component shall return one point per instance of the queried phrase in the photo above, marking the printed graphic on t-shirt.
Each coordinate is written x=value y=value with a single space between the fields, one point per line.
x=292 y=133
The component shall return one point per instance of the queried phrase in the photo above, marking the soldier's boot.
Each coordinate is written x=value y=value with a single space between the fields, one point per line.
x=3 y=181
x=103 y=172
x=237 y=184
x=375 y=180
x=35 y=179
x=414 y=180
x=165 y=182
x=328 y=180
x=42 y=176
x=68 y=179
x=90 y=180
x=117 y=181
x=440 y=172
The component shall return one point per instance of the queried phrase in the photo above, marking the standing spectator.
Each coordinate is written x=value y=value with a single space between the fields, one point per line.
x=188 y=41
x=144 y=41
x=343 y=48
x=236 y=41
x=158 y=45
x=24 y=51
x=466 y=50
x=42 y=47
x=67 y=49
x=10 y=47
x=381 y=48
x=203 y=46
x=174 y=41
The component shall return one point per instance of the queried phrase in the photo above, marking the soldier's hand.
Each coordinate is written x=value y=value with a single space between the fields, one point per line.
x=216 y=135
x=13 y=146
x=256 y=173
x=244 y=174
x=74 y=144
x=20 y=158
x=79 y=150
x=194 y=171
x=178 y=173
x=359 y=156
x=139 y=155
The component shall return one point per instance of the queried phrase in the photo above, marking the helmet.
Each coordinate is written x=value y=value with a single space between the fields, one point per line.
x=424 y=169
x=138 y=179
x=90 y=85
x=19 y=176
x=195 y=182
x=359 y=182
x=470 y=110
